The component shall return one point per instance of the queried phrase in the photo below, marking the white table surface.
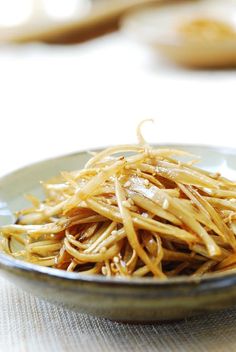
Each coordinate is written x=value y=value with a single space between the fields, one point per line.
x=56 y=100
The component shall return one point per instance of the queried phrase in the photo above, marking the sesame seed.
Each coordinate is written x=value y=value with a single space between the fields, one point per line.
x=127 y=184
x=165 y=204
x=116 y=260
x=207 y=190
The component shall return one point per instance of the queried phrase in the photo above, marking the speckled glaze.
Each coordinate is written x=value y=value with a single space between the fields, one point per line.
x=136 y=300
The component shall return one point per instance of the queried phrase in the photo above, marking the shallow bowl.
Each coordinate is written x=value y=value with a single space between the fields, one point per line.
x=136 y=300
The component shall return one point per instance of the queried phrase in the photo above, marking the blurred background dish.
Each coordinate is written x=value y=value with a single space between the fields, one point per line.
x=195 y=34
x=61 y=21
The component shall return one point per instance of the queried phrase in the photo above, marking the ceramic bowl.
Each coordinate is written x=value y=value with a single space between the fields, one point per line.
x=158 y=27
x=136 y=300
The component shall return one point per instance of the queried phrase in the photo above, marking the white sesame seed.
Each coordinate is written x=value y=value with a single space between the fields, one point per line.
x=116 y=260
x=127 y=184
x=165 y=204
x=146 y=182
x=207 y=190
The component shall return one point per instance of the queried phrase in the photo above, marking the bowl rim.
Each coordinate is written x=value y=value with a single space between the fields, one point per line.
x=219 y=280
x=206 y=282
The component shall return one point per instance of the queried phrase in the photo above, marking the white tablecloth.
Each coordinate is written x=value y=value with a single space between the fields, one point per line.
x=30 y=325
x=56 y=100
